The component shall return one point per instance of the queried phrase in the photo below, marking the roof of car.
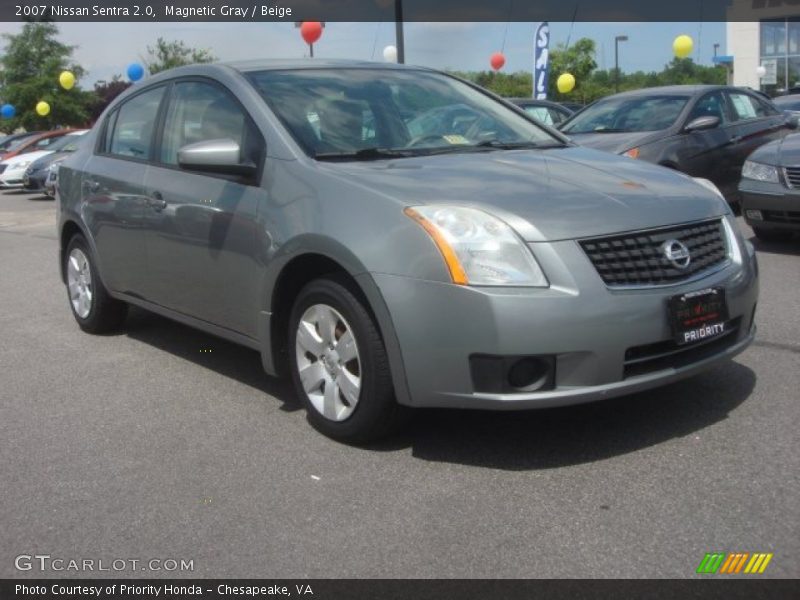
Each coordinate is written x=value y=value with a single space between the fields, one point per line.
x=264 y=64
x=673 y=90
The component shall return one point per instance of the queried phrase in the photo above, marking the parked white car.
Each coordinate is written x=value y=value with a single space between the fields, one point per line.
x=13 y=169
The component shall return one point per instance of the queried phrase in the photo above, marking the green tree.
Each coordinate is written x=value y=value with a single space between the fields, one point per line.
x=579 y=60
x=106 y=91
x=32 y=62
x=167 y=55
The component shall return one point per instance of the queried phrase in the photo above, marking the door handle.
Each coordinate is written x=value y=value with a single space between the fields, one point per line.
x=736 y=139
x=156 y=201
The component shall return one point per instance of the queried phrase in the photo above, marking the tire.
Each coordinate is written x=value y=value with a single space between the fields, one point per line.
x=95 y=311
x=326 y=316
x=771 y=235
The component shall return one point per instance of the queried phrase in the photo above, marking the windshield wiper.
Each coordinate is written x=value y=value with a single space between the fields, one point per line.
x=605 y=130
x=372 y=153
x=517 y=145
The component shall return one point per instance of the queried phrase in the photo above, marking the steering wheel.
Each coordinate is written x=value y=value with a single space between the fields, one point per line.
x=428 y=137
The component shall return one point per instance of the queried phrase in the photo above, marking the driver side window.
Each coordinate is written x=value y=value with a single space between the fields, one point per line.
x=199 y=112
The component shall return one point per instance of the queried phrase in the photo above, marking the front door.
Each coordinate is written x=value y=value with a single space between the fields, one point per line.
x=200 y=228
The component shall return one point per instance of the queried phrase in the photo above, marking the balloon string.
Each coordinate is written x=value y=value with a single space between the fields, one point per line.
x=505 y=33
x=375 y=42
x=572 y=25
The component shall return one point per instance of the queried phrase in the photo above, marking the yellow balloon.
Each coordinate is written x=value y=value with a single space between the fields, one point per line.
x=682 y=46
x=66 y=79
x=42 y=108
x=565 y=83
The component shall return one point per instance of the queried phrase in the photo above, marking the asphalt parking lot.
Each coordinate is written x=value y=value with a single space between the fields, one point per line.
x=163 y=442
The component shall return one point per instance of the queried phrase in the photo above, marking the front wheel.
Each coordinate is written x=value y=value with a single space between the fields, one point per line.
x=339 y=364
x=93 y=308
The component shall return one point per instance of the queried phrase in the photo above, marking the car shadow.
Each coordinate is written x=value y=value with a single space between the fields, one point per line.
x=526 y=440
x=226 y=358
x=558 y=437
x=790 y=247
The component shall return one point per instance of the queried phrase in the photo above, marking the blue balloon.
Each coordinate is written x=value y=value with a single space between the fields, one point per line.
x=8 y=111
x=135 y=71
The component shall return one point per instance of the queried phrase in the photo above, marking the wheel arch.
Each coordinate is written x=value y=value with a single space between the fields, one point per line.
x=297 y=271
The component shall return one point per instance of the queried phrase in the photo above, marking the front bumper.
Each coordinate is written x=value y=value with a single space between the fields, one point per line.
x=590 y=330
x=34 y=181
x=779 y=210
x=11 y=179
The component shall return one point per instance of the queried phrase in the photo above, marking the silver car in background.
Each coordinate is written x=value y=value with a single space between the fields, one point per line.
x=481 y=261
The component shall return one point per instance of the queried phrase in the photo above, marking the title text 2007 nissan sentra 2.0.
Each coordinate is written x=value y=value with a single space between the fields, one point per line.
x=392 y=237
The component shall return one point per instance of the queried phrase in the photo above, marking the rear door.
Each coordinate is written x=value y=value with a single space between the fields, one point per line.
x=113 y=190
x=200 y=227
x=757 y=122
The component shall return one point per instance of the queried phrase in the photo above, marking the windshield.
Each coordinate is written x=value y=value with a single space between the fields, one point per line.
x=374 y=113
x=14 y=143
x=625 y=113
x=66 y=143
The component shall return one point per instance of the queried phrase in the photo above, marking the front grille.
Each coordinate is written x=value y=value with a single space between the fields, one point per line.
x=650 y=358
x=637 y=258
x=792 y=176
x=782 y=216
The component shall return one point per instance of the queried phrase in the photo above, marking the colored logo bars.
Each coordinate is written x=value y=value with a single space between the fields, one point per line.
x=734 y=562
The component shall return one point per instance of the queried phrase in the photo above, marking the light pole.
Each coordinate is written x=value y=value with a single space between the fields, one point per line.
x=398 y=29
x=716 y=47
x=617 y=40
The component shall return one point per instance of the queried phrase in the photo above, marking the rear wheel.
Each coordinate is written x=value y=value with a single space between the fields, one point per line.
x=772 y=235
x=93 y=308
x=339 y=364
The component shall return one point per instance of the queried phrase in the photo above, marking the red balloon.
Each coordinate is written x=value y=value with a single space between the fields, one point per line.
x=311 y=31
x=497 y=61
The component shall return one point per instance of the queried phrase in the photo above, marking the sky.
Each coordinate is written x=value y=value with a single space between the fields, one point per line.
x=105 y=49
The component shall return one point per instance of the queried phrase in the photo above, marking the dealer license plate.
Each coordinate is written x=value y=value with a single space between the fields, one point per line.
x=698 y=316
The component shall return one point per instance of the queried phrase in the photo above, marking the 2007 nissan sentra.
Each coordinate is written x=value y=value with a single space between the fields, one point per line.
x=393 y=237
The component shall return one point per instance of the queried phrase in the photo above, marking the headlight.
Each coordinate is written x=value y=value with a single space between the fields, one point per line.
x=760 y=172
x=22 y=165
x=479 y=249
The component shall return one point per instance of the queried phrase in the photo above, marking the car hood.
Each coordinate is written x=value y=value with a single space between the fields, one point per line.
x=48 y=159
x=614 y=142
x=783 y=153
x=27 y=157
x=551 y=195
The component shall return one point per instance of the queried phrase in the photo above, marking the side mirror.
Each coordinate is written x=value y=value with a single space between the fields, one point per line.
x=215 y=156
x=702 y=124
x=793 y=120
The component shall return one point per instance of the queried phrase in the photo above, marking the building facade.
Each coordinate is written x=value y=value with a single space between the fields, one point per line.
x=764 y=33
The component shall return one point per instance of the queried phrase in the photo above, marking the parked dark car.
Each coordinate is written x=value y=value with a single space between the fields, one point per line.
x=14 y=140
x=790 y=103
x=704 y=131
x=543 y=111
x=770 y=189
x=41 y=170
x=573 y=106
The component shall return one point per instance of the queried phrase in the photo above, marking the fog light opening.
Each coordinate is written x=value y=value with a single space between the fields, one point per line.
x=528 y=374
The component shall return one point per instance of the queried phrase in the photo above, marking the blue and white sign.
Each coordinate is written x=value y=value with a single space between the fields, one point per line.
x=541 y=61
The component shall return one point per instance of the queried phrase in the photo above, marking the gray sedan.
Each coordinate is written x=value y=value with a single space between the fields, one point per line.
x=485 y=262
